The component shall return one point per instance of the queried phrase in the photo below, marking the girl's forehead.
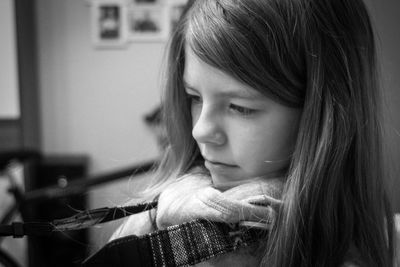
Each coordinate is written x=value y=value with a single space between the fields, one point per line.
x=198 y=75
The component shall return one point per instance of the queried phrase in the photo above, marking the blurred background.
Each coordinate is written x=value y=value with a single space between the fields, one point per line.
x=78 y=79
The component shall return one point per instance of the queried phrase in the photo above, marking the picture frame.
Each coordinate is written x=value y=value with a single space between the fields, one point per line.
x=109 y=23
x=148 y=21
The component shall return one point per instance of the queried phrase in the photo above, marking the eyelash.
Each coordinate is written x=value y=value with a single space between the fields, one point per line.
x=193 y=98
x=243 y=111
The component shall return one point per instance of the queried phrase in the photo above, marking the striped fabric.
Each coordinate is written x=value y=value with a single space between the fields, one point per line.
x=180 y=245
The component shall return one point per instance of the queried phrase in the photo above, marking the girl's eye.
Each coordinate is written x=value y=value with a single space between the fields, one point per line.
x=242 y=110
x=194 y=99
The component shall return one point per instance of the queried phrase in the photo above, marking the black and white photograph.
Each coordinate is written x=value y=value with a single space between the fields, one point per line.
x=148 y=23
x=224 y=133
x=109 y=23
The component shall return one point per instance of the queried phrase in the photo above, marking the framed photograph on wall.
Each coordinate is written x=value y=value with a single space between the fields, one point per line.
x=148 y=20
x=109 y=23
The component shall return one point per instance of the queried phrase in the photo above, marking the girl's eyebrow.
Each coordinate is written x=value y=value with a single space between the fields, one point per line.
x=241 y=93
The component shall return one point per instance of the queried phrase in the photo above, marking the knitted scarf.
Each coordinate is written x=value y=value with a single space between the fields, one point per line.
x=198 y=222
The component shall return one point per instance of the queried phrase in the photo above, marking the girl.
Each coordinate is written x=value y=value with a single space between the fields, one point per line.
x=272 y=115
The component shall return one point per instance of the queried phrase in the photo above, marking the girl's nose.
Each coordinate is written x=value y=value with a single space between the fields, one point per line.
x=207 y=129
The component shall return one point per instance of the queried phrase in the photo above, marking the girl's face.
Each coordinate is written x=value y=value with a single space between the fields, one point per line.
x=241 y=133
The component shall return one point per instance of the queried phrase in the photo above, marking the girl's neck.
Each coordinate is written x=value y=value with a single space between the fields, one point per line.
x=226 y=185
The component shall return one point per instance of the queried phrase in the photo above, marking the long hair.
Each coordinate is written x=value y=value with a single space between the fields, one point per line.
x=317 y=55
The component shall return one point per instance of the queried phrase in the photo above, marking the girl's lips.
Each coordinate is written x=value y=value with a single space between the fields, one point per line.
x=215 y=164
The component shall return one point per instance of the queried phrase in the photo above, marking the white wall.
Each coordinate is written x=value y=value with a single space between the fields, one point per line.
x=93 y=100
x=9 y=103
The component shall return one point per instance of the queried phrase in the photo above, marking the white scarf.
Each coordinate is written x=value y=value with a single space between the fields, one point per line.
x=193 y=196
